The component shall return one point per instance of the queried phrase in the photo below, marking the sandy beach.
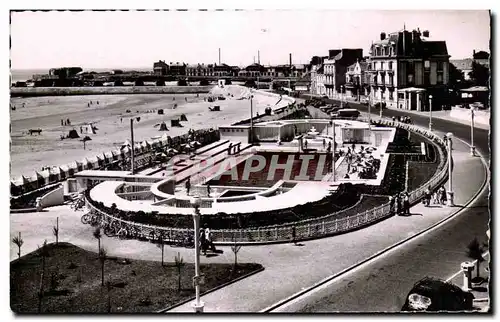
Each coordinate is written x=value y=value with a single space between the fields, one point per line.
x=31 y=152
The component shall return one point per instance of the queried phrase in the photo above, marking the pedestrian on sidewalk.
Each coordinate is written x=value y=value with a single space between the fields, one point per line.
x=435 y=198
x=294 y=235
x=203 y=241
x=406 y=204
x=442 y=195
x=208 y=190
x=399 y=206
x=188 y=185
x=391 y=205
x=324 y=144
x=427 y=197
x=229 y=148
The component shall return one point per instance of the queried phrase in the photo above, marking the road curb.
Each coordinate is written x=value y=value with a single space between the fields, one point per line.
x=210 y=291
x=269 y=309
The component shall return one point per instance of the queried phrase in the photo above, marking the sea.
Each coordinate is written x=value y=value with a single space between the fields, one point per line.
x=18 y=75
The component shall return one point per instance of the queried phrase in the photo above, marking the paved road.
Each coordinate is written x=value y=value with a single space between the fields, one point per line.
x=384 y=285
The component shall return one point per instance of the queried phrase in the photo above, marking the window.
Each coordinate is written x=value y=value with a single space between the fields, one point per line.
x=439 y=78
x=382 y=65
x=390 y=65
x=391 y=95
x=440 y=66
x=427 y=64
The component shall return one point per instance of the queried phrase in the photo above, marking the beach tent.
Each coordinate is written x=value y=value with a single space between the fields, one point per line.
x=116 y=154
x=163 y=127
x=101 y=160
x=183 y=118
x=109 y=156
x=194 y=144
x=64 y=171
x=73 y=134
x=126 y=143
x=87 y=164
x=79 y=166
x=94 y=161
x=42 y=178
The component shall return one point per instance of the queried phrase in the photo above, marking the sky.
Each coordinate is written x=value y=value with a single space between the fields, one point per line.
x=119 y=39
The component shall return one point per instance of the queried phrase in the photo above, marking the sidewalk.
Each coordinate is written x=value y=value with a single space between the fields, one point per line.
x=288 y=268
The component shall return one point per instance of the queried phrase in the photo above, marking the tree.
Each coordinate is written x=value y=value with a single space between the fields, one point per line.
x=456 y=77
x=18 y=241
x=103 y=254
x=179 y=263
x=97 y=235
x=235 y=248
x=161 y=244
x=43 y=253
x=55 y=230
x=475 y=251
x=480 y=74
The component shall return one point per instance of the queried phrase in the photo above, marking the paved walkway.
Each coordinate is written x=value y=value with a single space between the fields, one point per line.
x=288 y=268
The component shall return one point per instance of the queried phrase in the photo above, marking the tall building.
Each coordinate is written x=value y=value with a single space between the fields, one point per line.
x=160 y=68
x=336 y=68
x=357 y=80
x=406 y=68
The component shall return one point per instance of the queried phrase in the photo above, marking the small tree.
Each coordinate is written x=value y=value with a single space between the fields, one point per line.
x=161 y=244
x=97 y=235
x=475 y=251
x=102 y=258
x=179 y=263
x=43 y=253
x=235 y=248
x=18 y=241
x=55 y=230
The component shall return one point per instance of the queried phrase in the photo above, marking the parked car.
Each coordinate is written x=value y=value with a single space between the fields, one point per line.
x=346 y=113
x=432 y=294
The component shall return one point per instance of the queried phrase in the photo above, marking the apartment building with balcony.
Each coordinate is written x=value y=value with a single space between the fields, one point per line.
x=357 y=80
x=335 y=69
x=406 y=68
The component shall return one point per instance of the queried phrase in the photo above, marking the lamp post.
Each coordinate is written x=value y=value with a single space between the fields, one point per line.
x=195 y=203
x=430 y=113
x=472 y=147
x=333 y=153
x=449 y=135
x=251 y=117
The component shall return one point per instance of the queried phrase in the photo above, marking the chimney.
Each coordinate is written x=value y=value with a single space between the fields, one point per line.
x=426 y=33
x=290 y=56
x=258 y=56
x=382 y=36
x=473 y=53
x=219 y=56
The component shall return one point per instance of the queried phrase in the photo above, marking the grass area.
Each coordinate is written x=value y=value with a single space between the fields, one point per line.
x=419 y=173
x=366 y=203
x=139 y=286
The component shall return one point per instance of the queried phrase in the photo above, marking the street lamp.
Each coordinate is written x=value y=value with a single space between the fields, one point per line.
x=195 y=203
x=430 y=112
x=472 y=147
x=449 y=135
x=333 y=153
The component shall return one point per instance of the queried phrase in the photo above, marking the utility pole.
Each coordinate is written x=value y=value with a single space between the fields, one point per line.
x=251 y=117
x=219 y=56
x=132 y=143
x=333 y=154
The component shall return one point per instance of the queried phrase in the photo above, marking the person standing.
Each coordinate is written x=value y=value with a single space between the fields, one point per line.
x=188 y=185
x=294 y=236
x=208 y=190
x=203 y=241
x=399 y=205
x=391 y=205
x=427 y=197
x=406 y=204
x=442 y=195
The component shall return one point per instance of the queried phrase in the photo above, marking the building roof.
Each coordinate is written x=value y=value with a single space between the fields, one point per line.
x=411 y=43
x=462 y=64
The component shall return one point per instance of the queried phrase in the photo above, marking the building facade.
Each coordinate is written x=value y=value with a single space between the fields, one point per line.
x=357 y=80
x=160 y=68
x=406 y=68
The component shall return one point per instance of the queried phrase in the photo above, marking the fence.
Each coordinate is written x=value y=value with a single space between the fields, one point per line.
x=306 y=229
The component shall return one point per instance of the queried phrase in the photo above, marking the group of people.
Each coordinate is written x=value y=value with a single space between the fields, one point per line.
x=90 y=103
x=363 y=163
x=438 y=197
x=206 y=240
x=400 y=204
x=66 y=122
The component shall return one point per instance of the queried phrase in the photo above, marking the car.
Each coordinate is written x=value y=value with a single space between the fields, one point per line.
x=433 y=294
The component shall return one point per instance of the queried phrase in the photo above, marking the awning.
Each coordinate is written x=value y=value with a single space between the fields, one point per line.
x=411 y=90
x=474 y=89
